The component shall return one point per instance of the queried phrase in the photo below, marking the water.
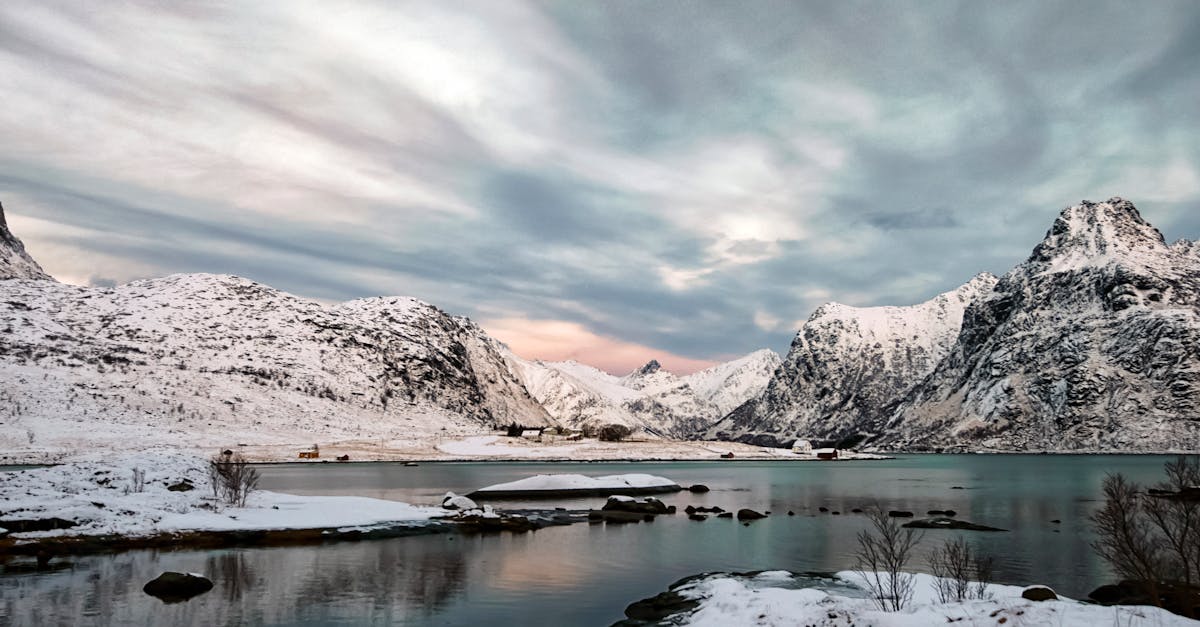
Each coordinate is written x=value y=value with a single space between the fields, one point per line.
x=583 y=574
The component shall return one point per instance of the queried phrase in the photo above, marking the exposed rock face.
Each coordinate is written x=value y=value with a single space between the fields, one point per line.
x=848 y=366
x=1092 y=344
x=649 y=398
x=15 y=263
x=194 y=359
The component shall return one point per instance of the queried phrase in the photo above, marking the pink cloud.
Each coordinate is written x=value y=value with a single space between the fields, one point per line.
x=558 y=340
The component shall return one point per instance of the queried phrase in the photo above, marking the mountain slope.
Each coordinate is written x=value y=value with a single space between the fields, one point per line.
x=15 y=263
x=848 y=365
x=649 y=398
x=1093 y=343
x=206 y=358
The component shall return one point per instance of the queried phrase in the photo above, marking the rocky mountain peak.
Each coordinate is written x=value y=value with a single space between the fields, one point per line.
x=1091 y=233
x=651 y=367
x=15 y=263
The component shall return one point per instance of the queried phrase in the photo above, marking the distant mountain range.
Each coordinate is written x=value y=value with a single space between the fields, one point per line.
x=1093 y=343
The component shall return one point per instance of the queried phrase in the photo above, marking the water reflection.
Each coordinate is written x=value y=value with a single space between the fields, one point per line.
x=585 y=575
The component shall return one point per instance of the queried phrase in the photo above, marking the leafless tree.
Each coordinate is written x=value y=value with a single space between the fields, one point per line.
x=883 y=551
x=1153 y=537
x=233 y=478
x=962 y=573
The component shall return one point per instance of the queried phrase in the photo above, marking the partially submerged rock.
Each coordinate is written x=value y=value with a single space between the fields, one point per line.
x=948 y=523
x=171 y=587
x=749 y=514
x=648 y=505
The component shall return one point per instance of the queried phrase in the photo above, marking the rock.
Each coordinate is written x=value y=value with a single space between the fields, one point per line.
x=896 y=513
x=454 y=501
x=411 y=464
x=949 y=523
x=749 y=514
x=823 y=509
x=710 y=510
x=616 y=517
x=1039 y=593
x=856 y=511
x=727 y=456
x=648 y=505
x=951 y=513
x=660 y=607
x=725 y=515
x=698 y=488
x=690 y=509
x=935 y=512
x=1056 y=521
x=171 y=587
x=43 y=524
x=697 y=517
x=836 y=513
x=791 y=513
x=182 y=486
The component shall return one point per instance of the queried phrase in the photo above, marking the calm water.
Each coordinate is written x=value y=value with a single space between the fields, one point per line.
x=583 y=574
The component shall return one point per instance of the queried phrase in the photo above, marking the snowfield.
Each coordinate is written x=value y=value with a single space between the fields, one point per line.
x=104 y=498
x=766 y=600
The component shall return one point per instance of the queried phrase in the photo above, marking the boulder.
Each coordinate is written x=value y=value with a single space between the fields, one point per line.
x=1039 y=593
x=749 y=514
x=182 y=486
x=171 y=587
x=649 y=505
x=896 y=513
x=454 y=501
x=725 y=515
x=698 y=488
x=698 y=517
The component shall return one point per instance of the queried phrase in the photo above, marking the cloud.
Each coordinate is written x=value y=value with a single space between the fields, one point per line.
x=668 y=178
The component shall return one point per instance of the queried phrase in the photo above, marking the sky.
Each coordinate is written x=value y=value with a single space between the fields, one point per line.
x=609 y=181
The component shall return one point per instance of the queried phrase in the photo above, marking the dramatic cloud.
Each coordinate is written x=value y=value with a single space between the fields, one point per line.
x=611 y=181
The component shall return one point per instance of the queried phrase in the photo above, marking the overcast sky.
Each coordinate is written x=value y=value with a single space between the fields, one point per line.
x=609 y=181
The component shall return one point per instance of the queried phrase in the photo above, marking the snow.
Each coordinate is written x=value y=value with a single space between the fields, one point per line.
x=581 y=482
x=103 y=498
x=486 y=446
x=764 y=600
x=454 y=501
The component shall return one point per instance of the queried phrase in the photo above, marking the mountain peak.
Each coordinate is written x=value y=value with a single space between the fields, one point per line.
x=15 y=263
x=1092 y=231
x=651 y=367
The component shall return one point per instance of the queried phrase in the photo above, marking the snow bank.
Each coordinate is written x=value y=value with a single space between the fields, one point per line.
x=766 y=600
x=105 y=498
x=580 y=484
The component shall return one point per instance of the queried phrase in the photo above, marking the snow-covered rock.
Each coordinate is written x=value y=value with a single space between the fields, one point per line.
x=454 y=501
x=635 y=483
x=15 y=263
x=650 y=398
x=848 y=365
x=1093 y=343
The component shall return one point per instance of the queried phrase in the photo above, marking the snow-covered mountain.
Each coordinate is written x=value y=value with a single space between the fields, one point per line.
x=848 y=365
x=1093 y=343
x=15 y=263
x=199 y=358
x=649 y=398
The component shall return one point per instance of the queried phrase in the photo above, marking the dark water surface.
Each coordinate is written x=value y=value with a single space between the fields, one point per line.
x=583 y=574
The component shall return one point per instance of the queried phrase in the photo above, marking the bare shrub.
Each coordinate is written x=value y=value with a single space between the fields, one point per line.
x=233 y=478
x=1154 y=537
x=962 y=573
x=137 y=482
x=883 y=552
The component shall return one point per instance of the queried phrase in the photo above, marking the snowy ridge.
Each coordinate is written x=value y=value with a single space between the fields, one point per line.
x=649 y=398
x=202 y=361
x=847 y=365
x=15 y=263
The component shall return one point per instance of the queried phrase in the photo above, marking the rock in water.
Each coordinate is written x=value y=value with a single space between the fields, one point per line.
x=454 y=501
x=171 y=587
x=749 y=514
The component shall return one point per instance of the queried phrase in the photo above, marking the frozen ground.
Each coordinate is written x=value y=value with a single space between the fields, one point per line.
x=767 y=600
x=106 y=497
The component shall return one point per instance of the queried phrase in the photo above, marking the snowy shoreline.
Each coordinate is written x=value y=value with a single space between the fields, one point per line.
x=779 y=598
